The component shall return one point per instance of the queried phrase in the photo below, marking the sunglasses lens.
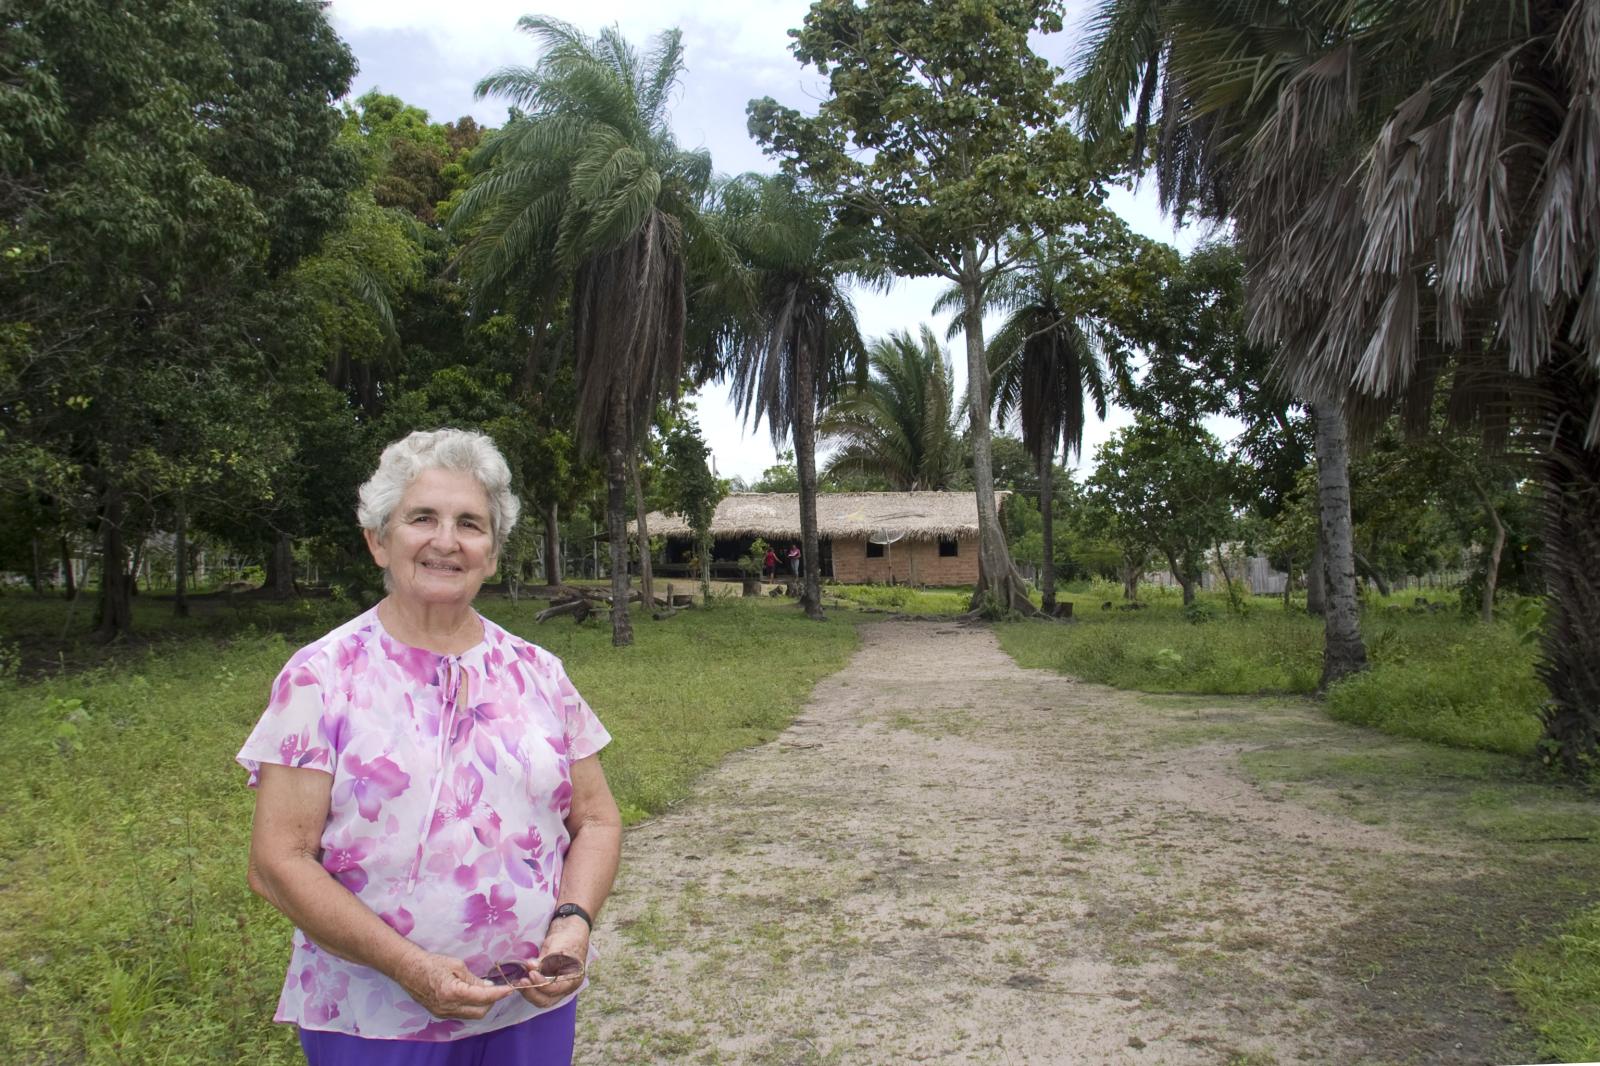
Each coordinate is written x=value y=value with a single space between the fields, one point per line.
x=510 y=973
x=558 y=966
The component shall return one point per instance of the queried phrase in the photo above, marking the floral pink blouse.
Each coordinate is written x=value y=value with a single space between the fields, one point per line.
x=451 y=783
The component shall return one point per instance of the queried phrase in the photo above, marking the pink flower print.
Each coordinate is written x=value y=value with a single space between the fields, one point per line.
x=419 y=666
x=461 y=814
x=482 y=726
x=343 y=860
x=464 y=874
x=436 y=1030
x=492 y=912
x=296 y=749
x=400 y=920
x=561 y=795
x=370 y=784
x=352 y=658
x=523 y=863
x=324 y=991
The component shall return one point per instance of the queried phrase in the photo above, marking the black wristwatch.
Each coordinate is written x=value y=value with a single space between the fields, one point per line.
x=569 y=910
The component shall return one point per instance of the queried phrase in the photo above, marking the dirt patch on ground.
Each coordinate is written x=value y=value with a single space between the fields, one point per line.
x=949 y=859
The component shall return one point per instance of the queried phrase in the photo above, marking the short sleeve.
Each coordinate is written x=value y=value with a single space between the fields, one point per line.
x=294 y=729
x=584 y=733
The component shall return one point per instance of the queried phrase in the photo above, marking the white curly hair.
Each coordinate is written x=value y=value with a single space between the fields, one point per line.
x=440 y=449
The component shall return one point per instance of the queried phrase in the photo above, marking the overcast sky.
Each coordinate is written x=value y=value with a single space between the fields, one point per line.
x=431 y=55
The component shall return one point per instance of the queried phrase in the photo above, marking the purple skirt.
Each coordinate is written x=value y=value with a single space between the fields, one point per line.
x=545 y=1040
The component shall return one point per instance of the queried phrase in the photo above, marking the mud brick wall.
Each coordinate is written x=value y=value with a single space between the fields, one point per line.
x=915 y=562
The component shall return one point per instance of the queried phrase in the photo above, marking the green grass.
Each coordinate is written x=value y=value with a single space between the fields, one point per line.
x=1438 y=677
x=902 y=599
x=127 y=934
x=1558 y=984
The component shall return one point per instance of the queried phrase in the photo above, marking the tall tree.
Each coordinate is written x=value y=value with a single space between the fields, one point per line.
x=943 y=128
x=1188 y=74
x=1045 y=362
x=788 y=358
x=586 y=191
x=1421 y=195
x=900 y=425
x=164 y=163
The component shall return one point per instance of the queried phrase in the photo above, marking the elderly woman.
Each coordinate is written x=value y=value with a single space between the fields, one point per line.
x=430 y=810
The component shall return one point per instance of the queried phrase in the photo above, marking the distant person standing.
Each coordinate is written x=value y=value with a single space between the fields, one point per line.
x=794 y=559
x=769 y=565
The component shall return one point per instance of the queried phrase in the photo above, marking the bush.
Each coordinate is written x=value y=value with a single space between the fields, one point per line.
x=1473 y=689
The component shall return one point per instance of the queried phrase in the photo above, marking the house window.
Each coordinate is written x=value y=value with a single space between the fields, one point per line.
x=874 y=551
x=949 y=547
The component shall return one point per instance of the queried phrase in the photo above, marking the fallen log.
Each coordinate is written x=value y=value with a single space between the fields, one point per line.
x=579 y=610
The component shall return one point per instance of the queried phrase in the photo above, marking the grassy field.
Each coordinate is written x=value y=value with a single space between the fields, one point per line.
x=1441 y=677
x=127 y=934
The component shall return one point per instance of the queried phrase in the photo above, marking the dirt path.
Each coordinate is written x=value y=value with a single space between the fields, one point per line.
x=949 y=859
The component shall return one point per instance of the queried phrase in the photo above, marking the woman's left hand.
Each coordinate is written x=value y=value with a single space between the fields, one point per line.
x=566 y=936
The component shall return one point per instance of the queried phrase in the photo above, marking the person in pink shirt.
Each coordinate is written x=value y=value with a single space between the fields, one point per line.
x=430 y=809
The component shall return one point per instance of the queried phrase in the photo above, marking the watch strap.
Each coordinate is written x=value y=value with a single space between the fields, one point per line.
x=568 y=910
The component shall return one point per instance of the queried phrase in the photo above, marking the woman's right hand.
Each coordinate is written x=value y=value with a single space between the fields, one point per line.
x=445 y=988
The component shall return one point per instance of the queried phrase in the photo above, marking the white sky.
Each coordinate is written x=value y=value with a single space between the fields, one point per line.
x=431 y=55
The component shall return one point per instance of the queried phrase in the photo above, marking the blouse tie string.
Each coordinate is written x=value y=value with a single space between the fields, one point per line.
x=450 y=683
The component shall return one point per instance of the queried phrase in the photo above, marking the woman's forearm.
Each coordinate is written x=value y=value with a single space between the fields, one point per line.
x=591 y=865
x=331 y=915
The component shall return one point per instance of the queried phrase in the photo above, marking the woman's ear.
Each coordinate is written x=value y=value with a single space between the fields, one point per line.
x=380 y=554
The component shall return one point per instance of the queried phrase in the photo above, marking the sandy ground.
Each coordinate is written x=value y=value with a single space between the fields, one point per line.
x=949 y=859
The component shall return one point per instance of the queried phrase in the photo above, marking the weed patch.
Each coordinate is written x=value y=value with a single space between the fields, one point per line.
x=1558 y=984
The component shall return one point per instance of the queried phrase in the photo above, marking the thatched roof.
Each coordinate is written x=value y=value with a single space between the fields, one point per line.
x=840 y=515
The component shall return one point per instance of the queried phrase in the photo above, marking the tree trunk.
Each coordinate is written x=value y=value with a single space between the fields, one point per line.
x=38 y=566
x=180 y=558
x=280 y=568
x=1130 y=580
x=1047 y=576
x=1235 y=597
x=1317 y=578
x=997 y=577
x=1182 y=577
x=116 y=600
x=618 y=446
x=66 y=569
x=1288 y=580
x=1491 y=572
x=1569 y=473
x=1372 y=574
x=705 y=571
x=805 y=462
x=646 y=583
x=1343 y=651
x=552 y=545
x=133 y=568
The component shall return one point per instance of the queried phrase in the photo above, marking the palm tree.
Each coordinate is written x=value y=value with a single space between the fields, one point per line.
x=788 y=357
x=1201 y=77
x=901 y=425
x=586 y=195
x=1043 y=360
x=1418 y=203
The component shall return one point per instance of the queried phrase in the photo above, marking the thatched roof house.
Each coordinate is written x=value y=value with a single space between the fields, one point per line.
x=919 y=537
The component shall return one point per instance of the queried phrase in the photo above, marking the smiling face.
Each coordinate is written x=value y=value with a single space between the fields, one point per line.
x=437 y=547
